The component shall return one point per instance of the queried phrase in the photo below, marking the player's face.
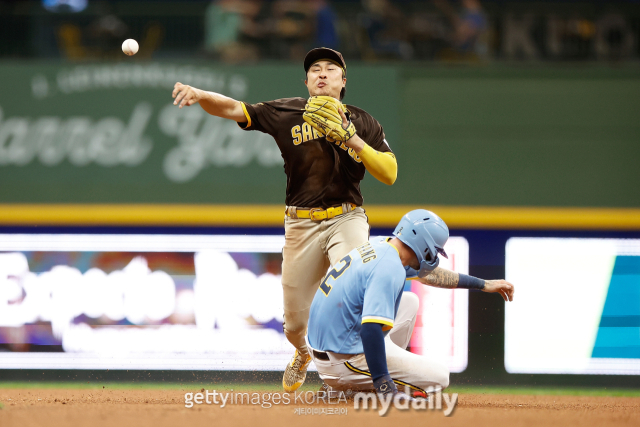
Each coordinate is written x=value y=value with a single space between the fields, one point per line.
x=325 y=78
x=414 y=261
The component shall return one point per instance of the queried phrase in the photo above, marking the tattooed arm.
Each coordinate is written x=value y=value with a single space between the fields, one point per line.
x=447 y=279
x=441 y=278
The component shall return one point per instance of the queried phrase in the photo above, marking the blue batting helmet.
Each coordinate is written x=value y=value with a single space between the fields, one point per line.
x=425 y=233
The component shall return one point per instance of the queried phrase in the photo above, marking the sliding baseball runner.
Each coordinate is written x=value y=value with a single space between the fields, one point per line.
x=361 y=321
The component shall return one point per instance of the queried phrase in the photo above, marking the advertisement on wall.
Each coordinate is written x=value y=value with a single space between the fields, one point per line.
x=181 y=302
x=577 y=306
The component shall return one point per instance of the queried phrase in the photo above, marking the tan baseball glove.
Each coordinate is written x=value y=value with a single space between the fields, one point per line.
x=323 y=113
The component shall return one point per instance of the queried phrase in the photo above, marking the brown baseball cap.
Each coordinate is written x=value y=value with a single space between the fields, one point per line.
x=323 y=53
x=326 y=54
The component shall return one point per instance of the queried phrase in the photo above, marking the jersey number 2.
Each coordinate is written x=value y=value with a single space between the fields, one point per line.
x=335 y=273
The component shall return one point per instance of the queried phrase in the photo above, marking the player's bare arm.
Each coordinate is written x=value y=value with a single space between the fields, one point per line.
x=443 y=278
x=211 y=102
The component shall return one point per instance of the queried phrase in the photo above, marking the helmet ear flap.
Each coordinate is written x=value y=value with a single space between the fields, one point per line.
x=427 y=267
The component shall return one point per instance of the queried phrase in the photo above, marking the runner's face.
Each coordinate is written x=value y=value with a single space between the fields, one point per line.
x=325 y=78
x=415 y=264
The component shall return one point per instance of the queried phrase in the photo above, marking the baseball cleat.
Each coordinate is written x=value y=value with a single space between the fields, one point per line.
x=296 y=372
x=420 y=395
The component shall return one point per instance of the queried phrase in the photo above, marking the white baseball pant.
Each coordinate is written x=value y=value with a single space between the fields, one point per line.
x=310 y=248
x=350 y=371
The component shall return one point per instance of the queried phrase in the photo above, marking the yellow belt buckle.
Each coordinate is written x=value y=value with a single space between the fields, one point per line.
x=314 y=211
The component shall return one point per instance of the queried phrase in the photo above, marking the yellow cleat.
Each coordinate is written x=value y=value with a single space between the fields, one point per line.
x=296 y=372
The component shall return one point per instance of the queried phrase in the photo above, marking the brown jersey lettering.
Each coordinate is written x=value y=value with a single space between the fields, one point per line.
x=320 y=172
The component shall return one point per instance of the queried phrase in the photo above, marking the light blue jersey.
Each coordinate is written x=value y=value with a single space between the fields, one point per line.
x=364 y=286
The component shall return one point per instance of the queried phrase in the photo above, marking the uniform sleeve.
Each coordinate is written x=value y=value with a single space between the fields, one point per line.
x=261 y=116
x=380 y=296
x=376 y=155
x=373 y=135
x=382 y=165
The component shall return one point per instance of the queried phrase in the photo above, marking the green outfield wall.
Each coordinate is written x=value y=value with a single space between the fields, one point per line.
x=108 y=133
x=510 y=137
x=493 y=136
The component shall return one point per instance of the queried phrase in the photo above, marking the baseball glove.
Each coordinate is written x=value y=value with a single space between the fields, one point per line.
x=323 y=113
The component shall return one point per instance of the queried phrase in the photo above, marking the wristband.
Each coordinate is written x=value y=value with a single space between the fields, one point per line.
x=385 y=385
x=470 y=282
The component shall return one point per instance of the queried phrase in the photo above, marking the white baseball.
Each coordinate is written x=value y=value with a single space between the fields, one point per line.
x=130 y=47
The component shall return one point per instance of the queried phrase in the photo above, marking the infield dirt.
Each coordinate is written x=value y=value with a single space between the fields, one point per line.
x=159 y=408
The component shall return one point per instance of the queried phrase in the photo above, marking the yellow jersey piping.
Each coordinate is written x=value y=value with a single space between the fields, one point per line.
x=398 y=382
x=246 y=114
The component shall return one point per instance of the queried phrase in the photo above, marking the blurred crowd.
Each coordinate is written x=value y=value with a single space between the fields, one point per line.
x=247 y=31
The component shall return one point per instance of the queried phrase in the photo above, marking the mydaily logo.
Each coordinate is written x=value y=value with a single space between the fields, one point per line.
x=383 y=402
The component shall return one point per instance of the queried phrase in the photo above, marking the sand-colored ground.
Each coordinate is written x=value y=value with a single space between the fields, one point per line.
x=159 y=408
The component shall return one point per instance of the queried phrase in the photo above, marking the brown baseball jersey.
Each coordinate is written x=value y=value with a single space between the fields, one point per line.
x=320 y=173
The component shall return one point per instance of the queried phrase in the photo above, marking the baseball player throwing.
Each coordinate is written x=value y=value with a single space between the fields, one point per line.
x=362 y=298
x=326 y=147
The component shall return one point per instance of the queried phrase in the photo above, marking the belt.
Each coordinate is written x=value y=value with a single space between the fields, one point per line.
x=318 y=214
x=320 y=355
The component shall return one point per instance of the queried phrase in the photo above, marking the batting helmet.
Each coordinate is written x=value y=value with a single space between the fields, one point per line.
x=425 y=233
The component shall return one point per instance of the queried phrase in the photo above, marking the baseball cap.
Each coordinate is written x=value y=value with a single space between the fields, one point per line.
x=321 y=53
x=324 y=53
